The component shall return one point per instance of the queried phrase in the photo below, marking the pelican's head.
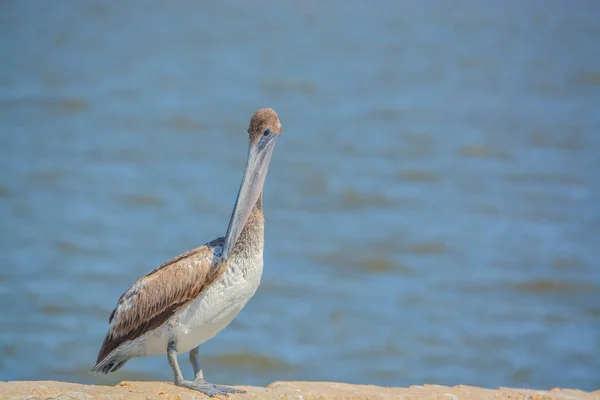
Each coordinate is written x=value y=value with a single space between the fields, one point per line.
x=263 y=130
x=263 y=125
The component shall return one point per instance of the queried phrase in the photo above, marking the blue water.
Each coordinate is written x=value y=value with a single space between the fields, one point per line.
x=431 y=208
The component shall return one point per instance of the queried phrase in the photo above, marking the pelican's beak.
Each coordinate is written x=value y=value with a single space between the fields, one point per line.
x=259 y=156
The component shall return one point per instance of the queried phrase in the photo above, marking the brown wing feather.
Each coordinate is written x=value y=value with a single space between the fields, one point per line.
x=158 y=295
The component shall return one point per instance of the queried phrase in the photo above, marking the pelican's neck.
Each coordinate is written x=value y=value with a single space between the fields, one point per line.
x=252 y=237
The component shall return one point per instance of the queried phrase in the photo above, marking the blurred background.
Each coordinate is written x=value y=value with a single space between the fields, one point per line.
x=431 y=209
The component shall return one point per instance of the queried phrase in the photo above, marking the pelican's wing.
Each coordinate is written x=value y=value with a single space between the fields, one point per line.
x=158 y=295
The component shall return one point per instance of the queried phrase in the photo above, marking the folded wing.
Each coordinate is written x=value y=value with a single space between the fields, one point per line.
x=156 y=297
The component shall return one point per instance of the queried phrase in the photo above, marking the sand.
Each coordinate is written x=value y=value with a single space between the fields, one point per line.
x=33 y=390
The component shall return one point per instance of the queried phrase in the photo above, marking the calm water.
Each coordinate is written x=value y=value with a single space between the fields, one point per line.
x=432 y=207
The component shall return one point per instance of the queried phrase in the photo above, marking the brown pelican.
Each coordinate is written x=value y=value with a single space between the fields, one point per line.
x=189 y=299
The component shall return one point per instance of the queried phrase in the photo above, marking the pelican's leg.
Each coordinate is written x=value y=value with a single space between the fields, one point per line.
x=204 y=387
x=196 y=365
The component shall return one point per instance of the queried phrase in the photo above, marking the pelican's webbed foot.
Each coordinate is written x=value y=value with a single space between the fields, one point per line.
x=209 y=388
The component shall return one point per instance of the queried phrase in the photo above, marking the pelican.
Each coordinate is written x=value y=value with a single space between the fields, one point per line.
x=190 y=298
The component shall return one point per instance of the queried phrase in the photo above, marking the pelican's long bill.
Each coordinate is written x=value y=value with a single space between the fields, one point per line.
x=259 y=156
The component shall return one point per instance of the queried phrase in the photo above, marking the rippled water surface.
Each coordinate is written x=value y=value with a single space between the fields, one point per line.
x=432 y=206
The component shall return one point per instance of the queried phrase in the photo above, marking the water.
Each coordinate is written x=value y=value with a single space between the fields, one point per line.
x=432 y=206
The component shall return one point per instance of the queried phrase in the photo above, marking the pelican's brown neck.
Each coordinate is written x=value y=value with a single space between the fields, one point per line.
x=252 y=237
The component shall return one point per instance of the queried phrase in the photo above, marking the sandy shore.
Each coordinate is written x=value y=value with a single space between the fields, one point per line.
x=33 y=390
